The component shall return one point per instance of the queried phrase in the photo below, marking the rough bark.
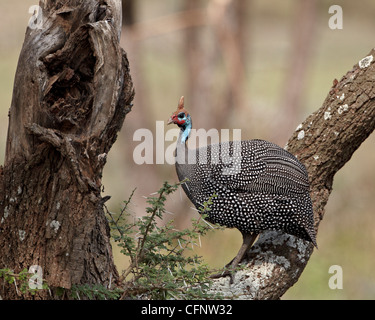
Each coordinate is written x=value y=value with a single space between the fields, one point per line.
x=72 y=91
x=324 y=142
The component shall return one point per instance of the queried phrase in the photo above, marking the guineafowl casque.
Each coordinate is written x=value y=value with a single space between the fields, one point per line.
x=263 y=188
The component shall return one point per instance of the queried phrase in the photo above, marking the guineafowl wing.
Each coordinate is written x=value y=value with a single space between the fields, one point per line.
x=257 y=166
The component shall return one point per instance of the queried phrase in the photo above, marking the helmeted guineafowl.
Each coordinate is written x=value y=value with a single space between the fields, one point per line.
x=263 y=187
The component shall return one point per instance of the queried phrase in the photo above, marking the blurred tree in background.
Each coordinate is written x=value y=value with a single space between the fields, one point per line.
x=261 y=66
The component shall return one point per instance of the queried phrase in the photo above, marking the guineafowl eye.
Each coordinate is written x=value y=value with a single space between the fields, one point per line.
x=181 y=115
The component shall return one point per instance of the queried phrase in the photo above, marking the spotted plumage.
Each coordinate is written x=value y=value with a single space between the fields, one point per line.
x=258 y=185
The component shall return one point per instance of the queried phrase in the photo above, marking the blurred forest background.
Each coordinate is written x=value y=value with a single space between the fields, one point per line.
x=259 y=66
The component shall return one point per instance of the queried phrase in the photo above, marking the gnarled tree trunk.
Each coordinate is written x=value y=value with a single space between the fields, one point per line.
x=72 y=91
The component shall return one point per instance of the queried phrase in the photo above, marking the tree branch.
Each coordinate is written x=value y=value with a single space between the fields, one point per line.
x=324 y=142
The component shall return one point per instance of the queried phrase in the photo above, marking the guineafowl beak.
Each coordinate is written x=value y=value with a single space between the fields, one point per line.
x=170 y=120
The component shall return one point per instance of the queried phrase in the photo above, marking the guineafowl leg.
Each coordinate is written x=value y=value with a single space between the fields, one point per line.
x=248 y=240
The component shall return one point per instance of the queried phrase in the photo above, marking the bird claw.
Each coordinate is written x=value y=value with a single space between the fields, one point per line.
x=223 y=274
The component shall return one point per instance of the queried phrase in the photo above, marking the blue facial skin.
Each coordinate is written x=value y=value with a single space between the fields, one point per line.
x=186 y=127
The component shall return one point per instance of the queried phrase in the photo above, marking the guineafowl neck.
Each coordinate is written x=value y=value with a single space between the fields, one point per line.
x=182 y=149
x=185 y=158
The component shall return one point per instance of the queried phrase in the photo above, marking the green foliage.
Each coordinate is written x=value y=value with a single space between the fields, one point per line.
x=22 y=281
x=94 y=292
x=159 y=265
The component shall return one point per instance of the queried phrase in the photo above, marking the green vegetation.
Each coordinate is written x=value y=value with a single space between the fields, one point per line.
x=24 y=282
x=160 y=267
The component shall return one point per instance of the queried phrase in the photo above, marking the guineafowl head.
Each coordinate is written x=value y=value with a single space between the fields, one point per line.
x=183 y=120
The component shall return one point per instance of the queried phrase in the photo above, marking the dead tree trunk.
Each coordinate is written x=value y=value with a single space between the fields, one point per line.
x=324 y=142
x=72 y=91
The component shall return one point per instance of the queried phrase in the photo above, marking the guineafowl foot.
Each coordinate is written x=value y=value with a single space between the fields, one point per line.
x=248 y=240
x=223 y=274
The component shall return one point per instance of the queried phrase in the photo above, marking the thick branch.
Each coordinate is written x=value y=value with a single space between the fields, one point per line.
x=324 y=142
